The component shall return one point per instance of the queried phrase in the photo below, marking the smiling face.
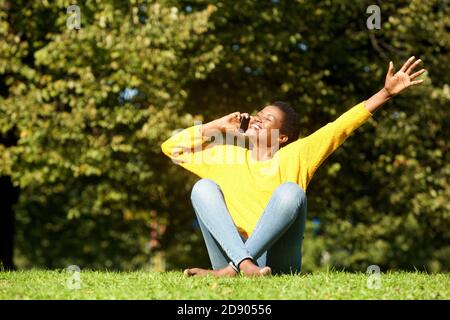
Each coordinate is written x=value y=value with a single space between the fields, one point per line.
x=262 y=125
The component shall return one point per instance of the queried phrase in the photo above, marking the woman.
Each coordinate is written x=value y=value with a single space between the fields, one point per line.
x=251 y=203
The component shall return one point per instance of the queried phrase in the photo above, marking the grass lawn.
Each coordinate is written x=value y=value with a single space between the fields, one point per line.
x=39 y=284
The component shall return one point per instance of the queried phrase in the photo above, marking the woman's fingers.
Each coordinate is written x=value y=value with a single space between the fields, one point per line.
x=244 y=115
x=234 y=116
x=407 y=64
x=416 y=82
x=416 y=74
x=411 y=68
x=391 y=70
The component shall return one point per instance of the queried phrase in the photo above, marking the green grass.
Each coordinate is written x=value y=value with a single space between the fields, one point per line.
x=38 y=284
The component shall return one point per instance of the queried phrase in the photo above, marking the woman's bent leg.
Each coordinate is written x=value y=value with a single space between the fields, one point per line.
x=216 y=255
x=210 y=208
x=278 y=235
x=285 y=255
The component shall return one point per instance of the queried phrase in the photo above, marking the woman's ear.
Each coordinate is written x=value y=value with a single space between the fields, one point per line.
x=282 y=139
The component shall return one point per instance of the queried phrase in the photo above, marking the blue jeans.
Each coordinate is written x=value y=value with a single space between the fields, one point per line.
x=276 y=240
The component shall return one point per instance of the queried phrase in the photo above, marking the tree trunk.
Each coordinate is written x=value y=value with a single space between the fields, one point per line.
x=8 y=197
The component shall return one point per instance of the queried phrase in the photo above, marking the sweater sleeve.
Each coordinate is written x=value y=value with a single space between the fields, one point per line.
x=187 y=149
x=315 y=148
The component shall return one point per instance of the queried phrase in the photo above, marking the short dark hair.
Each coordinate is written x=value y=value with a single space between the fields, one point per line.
x=291 y=122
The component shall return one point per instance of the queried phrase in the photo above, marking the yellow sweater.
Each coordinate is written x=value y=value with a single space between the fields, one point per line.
x=248 y=184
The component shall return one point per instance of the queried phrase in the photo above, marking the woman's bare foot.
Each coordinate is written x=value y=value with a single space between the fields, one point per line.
x=252 y=270
x=224 y=272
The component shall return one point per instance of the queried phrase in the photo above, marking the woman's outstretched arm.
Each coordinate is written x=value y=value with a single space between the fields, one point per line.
x=395 y=83
x=316 y=147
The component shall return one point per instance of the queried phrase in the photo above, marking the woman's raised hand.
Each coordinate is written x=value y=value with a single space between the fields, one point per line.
x=231 y=122
x=404 y=78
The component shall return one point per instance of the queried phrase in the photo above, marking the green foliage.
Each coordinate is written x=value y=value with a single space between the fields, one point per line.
x=91 y=107
x=88 y=159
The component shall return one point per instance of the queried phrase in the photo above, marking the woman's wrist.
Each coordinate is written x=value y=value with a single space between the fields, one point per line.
x=387 y=93
x=210 y=128
x=377 y=100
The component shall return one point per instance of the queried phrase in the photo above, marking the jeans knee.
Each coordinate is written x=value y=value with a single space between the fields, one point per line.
x=291 y=193
x=202 y=188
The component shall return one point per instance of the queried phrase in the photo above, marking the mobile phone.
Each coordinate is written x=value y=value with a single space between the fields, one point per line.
x=244 y=123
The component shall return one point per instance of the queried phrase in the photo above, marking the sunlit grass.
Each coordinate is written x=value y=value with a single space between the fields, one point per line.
x=39 y=284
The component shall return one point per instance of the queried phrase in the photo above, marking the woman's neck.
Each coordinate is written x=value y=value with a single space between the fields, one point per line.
x=262 y=153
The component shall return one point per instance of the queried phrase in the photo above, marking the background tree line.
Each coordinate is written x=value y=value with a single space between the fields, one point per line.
x=83 y=113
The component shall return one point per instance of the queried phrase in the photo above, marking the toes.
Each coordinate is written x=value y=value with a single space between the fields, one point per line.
x=191 y=272
x=266 y=271
x=202 y=272
x=195 y=272
x=259 y=272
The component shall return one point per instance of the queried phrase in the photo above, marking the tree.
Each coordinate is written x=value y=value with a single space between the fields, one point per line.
x=91 y=108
